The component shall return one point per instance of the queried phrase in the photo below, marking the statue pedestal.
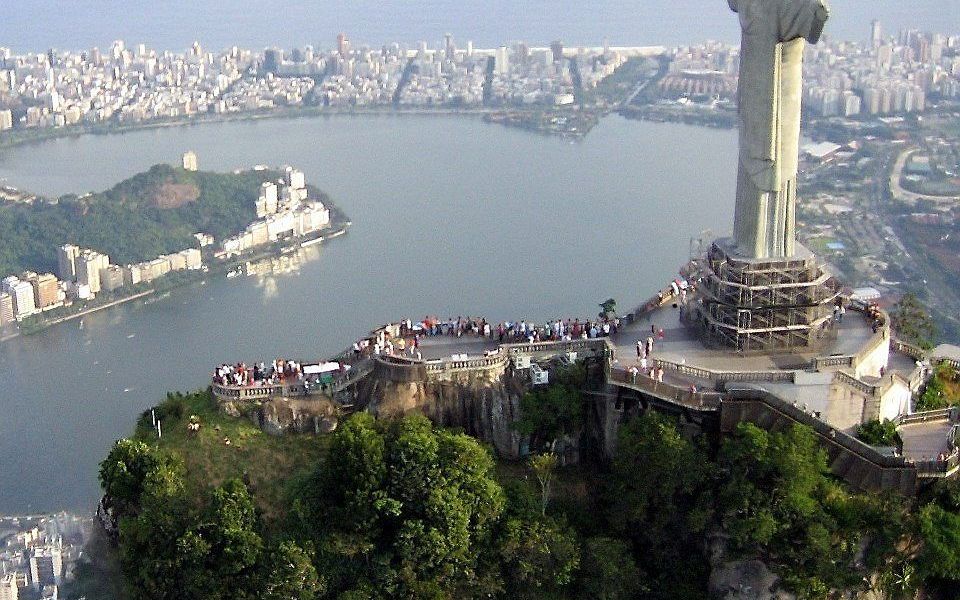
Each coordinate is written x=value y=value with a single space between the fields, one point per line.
x=765 y=304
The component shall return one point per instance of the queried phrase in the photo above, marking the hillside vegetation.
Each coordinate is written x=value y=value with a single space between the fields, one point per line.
x=404 y=509
x=152 y=213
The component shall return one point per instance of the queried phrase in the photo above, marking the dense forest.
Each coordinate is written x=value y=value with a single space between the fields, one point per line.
x=403 y=509
x=152 y=213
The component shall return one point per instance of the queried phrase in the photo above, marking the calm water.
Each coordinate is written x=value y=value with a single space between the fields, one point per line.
x=174 y=24
x=451 y=216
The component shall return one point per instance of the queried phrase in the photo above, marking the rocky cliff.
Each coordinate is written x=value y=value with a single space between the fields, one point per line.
x=482 y=402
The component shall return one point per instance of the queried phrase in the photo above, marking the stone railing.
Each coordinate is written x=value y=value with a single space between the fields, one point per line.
x=557 y=348
x=825 y=362
x=943 y=414
x=823 y=429
x=938 y=468
x=469 y=364
x=256 y=392
x=407 y=369
x=736 y=376
x=914 y=352
x=708 y=401
x=856 y=384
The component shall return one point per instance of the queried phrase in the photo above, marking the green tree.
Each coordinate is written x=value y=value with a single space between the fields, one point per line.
x=548 y=413
x=539 y=557
x=940 y=391
x=913 y=323
x=125 y=471
x=660 y=497
x=608 y=570
x=289 y=574
x=544 y=467
x=879 y=433
x=404 y=507
x=777 y=500
x=940 y=532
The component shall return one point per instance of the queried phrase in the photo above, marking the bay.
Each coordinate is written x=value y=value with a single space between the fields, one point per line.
x=451 y=216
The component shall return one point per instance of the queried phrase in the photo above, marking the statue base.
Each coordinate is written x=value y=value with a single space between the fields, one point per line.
x=764 y=304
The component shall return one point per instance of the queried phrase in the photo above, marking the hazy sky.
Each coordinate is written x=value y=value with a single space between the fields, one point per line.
x=174 y=24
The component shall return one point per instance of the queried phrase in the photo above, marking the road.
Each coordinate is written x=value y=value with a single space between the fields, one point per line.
x=903 y=195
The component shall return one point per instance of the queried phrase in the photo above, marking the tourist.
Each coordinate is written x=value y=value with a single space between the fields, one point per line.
x=639 y=349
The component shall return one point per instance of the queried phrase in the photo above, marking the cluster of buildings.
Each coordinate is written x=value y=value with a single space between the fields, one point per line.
x=38 y=554
x=284 y=210
x=28 y=294
x=884 y=76
x=83 y=273
x=129 y=85
x=88 y=272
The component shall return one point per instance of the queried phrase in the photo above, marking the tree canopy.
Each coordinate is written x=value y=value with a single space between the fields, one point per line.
x=152 y=213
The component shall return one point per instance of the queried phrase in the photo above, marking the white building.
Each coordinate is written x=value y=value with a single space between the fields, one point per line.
x=268 y=200
x=8 y=587
x=190 y=161
x=46 y=567
x=89 y=264
x=501 y=65
x=24 y=303
x=6 y=122
x=296 y=179
x=7 y=313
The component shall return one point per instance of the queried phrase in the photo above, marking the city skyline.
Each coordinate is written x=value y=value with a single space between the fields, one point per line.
x=87 y=23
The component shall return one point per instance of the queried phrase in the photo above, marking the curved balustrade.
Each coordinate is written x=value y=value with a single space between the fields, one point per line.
x=666 y=391
x=740 y=376
x=253 y=392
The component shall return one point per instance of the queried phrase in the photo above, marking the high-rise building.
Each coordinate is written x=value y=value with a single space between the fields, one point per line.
x=46 y=289
x=296 y=178
x=190 y=162
x=7 y=314
x=501 y=64
x=272 y=59
x=343 y=45
x=23 y=301
x=268 y=200
x=89 y=265
x=6 y=120
x=46 y=567
x=67 y=261
x=111 y=278
x=8 y=587
x=556 y=47
x=449 y=49
x=6 y=309
x=876 y=34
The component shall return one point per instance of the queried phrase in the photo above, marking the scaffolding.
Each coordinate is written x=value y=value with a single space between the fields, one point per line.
x=764 y=304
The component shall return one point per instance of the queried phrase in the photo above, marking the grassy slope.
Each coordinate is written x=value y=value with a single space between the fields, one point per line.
x=271 y=465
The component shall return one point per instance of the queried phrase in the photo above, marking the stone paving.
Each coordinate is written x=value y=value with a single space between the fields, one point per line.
x=682 y=345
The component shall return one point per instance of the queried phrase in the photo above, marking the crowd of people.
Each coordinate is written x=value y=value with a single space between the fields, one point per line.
x=241 y=374
x=513 y=331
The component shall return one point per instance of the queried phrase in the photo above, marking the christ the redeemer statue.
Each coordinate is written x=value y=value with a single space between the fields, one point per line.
x=771 y=60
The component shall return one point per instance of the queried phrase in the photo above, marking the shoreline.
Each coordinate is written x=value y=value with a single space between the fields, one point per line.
x=338 y=229
x=56 y=133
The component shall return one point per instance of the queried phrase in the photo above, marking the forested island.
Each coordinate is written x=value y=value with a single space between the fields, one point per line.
x=400 y=508
x=164 y=212
x=149 y=214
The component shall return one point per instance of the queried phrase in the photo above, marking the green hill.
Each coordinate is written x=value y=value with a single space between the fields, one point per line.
x=152 y=213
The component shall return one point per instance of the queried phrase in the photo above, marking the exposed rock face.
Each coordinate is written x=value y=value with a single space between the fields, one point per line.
x=296 y=415
x=746 y=580
x=482 y=402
